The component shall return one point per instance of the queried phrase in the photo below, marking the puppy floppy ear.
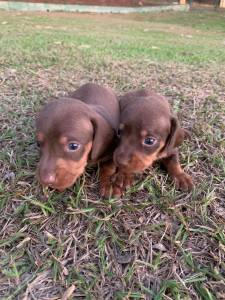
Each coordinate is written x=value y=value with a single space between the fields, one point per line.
x=103 y=136
x=176 y=135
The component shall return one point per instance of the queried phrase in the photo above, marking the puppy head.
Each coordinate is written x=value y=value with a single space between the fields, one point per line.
x=146 y=134
x=69 y=133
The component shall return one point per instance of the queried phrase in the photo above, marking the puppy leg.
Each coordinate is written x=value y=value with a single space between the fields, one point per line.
x=107 y=189
x=123 y=180
x=183 y=181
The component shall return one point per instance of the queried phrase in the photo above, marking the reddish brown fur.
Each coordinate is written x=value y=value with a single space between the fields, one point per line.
x=81 y=119
x=145 y=114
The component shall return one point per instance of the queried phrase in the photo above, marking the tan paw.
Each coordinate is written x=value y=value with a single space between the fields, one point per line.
x=124 y=181
x=184 y=182
x=110 y=190
x=116 y=185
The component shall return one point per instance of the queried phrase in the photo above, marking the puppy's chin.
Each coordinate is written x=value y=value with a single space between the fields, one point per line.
x=132 y=169
x=142 y=162
x=62 y=188
x=135 y=166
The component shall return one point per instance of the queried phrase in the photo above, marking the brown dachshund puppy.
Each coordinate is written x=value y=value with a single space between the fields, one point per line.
x=75 y=131
x=148 y=132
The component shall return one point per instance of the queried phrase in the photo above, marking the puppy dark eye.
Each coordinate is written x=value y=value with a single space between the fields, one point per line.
x=149 y=141
x=73 y=146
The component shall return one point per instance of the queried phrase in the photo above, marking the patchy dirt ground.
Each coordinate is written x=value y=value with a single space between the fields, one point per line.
x=155 y=242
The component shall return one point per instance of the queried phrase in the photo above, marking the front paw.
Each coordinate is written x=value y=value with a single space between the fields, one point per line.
x=184 y=182
x=116 y=185
x=123 y=181
x=110 y=190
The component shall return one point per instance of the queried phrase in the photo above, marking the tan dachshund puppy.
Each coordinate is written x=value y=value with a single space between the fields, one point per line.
x=75 y=131
x=148 y=132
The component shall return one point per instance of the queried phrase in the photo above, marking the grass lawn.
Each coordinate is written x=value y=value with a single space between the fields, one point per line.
x=156 y=242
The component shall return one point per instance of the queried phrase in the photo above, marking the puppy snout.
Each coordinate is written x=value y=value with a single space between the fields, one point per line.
x=122 y=159
x=48 y=179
